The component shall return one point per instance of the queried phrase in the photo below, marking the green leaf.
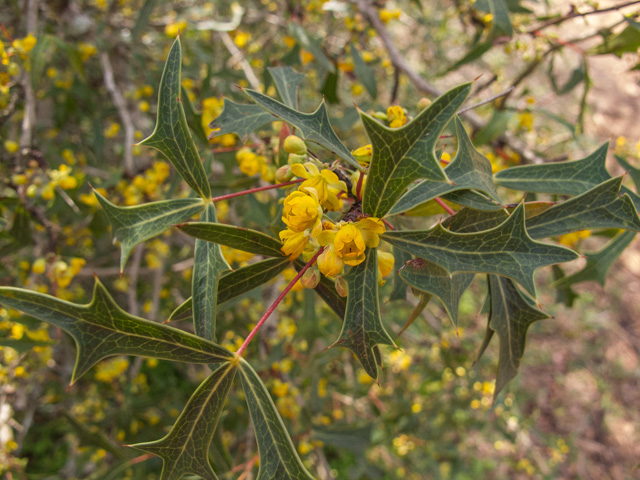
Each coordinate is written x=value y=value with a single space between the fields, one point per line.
x=287 y=81
x=494 y=128
x=425 y=298
x=311 y=45
x=102 y=329
x=504 y=250
x=564 y=295
x=634 y=172
x=362 y=329
x=240 y=119
x=171 y=135
x=600 y=207
x=563 y=178
x=472 y=199
x=626 y=41
x=511 y=315
x=399 y=289
x=207 y=267
x=133 y=225
x=403 y=155
x=598 y=263
x=185 y=449
x=500 y=23
x=239 y=238
x=329 y=89
x=278 y=457
x=430 y=278
x=236 y=283
x=326 y=290
x=468 y=220
x=468 y=170
x=314 y=127
x=364 y=73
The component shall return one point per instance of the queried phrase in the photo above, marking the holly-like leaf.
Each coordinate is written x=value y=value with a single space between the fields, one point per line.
x=236 y=283
x=240 y=238
x=326 y=289
x=600 y=207
x=506 y=250
x=399 y=289
x=240 y=119
x=563 y=178
x=171 y=135
x=313 y=127
x=403 y=155
x=207 y=267
x=473 y=199
x=634 y=172
x=185 y=449
x=468 y=170
x=133 y=225
x=365 y=74
x=362 y=329
x=510 y=317
x=598 y=263
x=102 y=329
x=278 y=457
x=469 y=220
x=430 y=278
x=287 y=81
x=425 y=298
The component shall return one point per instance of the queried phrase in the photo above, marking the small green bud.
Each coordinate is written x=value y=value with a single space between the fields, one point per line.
x=423 y=103
x=380 y=116
x=294 y=144
x=310 y=278
x=284 y=174
x=293 y=158
x=341 y=286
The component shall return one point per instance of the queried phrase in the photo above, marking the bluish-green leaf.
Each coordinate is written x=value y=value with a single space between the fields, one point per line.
x=133 y=225
x=362 y=329
x=430 y=278
x=634 y=172
x=287 y=81
x=364 y=73
x=403 y=155
x=278 y=457
x=399 y=289
x=102 y=329
x=240 y=238
x=240 y=119
x=500 y=21
x=185 y=449
x=208 y=265
x=313 y=127
x=468 y=170
x=506 y=250
x=171 y=135
x=598 y=263
x=600 y=207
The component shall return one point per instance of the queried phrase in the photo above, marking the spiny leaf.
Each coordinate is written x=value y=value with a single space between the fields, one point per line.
x=425 y=298
x=287 y=81
x=102 y=329
x=402 y=155
x=133 y=225
x=600 y=207
x=185 y=449
x=472 y=199
x=468 y=170
x=504 y=250
x=430 y=278
x=171 y=135
x=563 y=178
x=327 y=291
x=278 y=457
x=207 y=267
x=362 y=329
x=240 y=281
x=399 y=289
x=598 y=263
x=634 y=172
x=365 y=74
x=314 y=127
x=468 y=220
x=240 y=119
x=511 y=315
x=240 y=238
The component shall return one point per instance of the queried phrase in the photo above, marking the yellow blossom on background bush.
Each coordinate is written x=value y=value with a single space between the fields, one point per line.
x=396 y=117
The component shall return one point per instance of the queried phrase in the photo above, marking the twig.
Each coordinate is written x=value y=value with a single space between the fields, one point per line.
x=574 y=13
x=257 y=189
x=401 y=63
x=277 y=302
x=484 y=102
x=440 y=202
x=121 y=106
x=29 y=118
x=238 y=56
x=133 y=280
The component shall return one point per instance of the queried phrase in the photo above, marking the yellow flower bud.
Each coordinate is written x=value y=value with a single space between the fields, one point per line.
x=310 y=278
x=284 y=174
x=293 y=159
x=423 y=103
x=294 y=144
x=342 y=287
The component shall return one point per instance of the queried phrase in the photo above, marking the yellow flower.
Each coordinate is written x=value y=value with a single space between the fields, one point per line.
x=302 y=211
x=306 y=56
x=173 y=29
x=385 y=266
x=250 y=163
x=329 y=263
x=396 y=117
x=294 y=242
x=363 y=154
x=86 y=51
x=351 y=240
x=241 y=39
x=326 y=184
x=11 y=146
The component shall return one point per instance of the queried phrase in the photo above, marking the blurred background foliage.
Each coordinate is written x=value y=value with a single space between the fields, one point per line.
x=78 y=86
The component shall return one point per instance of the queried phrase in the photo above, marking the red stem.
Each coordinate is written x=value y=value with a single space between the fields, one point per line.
x=254 y=190
x=277 y=302
x=449 y=210
x=359 y=186
x=389 y=226
x=233 y=149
